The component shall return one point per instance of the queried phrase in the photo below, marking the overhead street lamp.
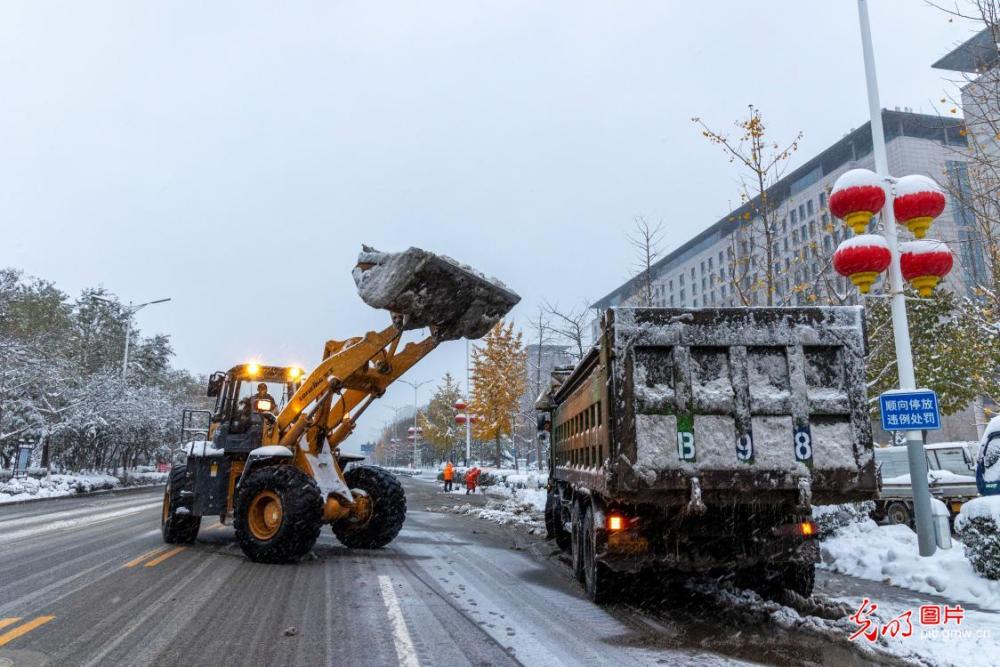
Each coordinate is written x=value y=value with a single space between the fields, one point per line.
x=416 y=430
x=130 y=310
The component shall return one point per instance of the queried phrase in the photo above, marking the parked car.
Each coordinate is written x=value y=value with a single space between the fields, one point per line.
x=951 y=473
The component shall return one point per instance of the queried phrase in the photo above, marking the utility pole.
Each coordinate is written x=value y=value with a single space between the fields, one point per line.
x=416 y=429
x=130 y=310
x=900 y=326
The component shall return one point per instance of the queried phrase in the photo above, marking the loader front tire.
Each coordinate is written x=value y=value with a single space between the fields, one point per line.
x=177 y=524
x=277 y=515
x=386 y=513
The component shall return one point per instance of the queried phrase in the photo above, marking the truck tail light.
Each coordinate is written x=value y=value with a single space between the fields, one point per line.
x=615 y=522
x=807 y=528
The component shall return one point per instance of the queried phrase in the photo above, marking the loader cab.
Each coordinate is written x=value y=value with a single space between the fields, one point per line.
x=238 y=410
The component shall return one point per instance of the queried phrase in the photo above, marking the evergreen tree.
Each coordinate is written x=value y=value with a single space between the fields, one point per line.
x=498 y=374
x=955 y=349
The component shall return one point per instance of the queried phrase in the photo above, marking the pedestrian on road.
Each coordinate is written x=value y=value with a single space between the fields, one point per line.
x=449 y=475
x=471 y=478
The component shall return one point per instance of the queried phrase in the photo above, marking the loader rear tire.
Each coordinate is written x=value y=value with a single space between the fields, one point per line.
x=177 y=524
x=278 y=514
x=388 y=509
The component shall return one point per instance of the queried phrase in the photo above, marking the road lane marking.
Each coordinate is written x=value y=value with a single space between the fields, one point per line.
x=80 y=522
x=159 y=559
x=24 y=629
x=405 y=652
x=4 y=622
x=148 y=554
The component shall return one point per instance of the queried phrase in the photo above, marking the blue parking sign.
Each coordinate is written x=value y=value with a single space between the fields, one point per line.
x=915 y=410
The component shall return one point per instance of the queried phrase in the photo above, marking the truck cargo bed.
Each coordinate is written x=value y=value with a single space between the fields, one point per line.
x=747 y=404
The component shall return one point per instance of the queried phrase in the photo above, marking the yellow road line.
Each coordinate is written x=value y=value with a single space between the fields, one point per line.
x=159 y=559
x=4 y=622
x=139 y=559
x=10 y=635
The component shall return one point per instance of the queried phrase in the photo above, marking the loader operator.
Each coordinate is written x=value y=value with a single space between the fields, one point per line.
x=263 y=395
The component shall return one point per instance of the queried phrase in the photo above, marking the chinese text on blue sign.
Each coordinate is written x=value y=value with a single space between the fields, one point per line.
x=915 y=410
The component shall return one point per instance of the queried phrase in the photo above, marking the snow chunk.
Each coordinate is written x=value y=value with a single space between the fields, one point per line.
x=201 y=448
x=908 y=185
x=865 y=241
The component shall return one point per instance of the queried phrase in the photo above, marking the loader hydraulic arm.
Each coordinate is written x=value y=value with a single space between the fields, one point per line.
x=353 y=373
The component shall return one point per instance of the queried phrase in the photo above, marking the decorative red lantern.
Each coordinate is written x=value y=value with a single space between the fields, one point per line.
x=461 y=418
x=473 y=418
x=924 y=263
x=861 y=259
x=460 y=405
x=857 y=196
x=917 y=202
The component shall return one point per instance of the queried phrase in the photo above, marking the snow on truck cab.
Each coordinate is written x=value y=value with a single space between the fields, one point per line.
x=697 y=441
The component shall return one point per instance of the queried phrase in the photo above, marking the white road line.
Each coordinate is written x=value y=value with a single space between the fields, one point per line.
x=97 y=517
x=405 y=652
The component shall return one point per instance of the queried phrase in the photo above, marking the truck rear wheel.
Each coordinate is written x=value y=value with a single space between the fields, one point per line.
x=898 y=514
x=177 y=524
x=385 y=514
x=576 y=541
x=554 y=529
x=598 y=579
x=278 y=514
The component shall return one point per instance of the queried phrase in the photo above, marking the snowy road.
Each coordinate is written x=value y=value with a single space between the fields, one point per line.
x=88 y=581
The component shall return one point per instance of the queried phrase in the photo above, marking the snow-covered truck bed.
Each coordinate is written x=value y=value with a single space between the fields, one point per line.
x=709 y=433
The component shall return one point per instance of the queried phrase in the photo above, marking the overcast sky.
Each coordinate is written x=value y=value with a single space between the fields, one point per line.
x=235 y=155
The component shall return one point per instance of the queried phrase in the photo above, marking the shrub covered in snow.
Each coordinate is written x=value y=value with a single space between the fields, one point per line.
x=977 y=523
x=830 y=518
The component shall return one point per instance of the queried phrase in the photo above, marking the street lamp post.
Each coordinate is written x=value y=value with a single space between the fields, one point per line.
x=862 y=258
x=130 y=310
x=416 y=429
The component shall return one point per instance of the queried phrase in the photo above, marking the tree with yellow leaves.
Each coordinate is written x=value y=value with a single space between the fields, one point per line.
x=499 y=377
x=438 y=422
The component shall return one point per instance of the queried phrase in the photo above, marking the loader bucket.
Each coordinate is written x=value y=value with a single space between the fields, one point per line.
x=426 y=290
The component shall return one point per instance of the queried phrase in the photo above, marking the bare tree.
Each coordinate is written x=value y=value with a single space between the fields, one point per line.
x=542 y=335
x=646 y=239
x=752 y=263
x=570 y=326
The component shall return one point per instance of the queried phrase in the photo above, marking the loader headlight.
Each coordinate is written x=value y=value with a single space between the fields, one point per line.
x=264 y=405
x=252 y=369
x=294 y=373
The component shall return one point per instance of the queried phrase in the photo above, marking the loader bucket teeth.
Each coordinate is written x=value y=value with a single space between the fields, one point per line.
x=426 y=290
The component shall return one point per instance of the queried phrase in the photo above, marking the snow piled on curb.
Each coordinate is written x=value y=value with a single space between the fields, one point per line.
x=510 y=512
x=889 y=554
x=57 y=485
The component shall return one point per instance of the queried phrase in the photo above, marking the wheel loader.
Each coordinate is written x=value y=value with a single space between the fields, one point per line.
x=274 y=466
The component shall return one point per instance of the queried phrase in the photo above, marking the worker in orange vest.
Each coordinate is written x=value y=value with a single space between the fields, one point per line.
x=471 y=478
x=449 y=475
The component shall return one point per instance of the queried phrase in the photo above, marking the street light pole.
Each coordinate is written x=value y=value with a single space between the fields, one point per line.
x=416 y=432
x=900 y=326
x=130 y=310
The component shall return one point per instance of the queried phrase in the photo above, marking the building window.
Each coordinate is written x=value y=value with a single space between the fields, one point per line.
x=696 y=303
x=795 y=236
x=703 y=266
x=723 y=292
x=692 y=273
x=682 y=297
x=809 y=207
x=822 y=200
x=792 y=216
x=681 y=278
x=802 y=211
x=671 y=284
x=671 y=300
x=812 y=228
x=710 y=267
x=785 y=244
x=802 y=232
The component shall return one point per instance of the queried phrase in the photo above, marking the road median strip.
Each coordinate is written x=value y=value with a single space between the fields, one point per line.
x=23 y=629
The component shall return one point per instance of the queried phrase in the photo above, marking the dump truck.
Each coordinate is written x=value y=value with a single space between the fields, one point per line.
x=696 y=441
x=273 y=466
